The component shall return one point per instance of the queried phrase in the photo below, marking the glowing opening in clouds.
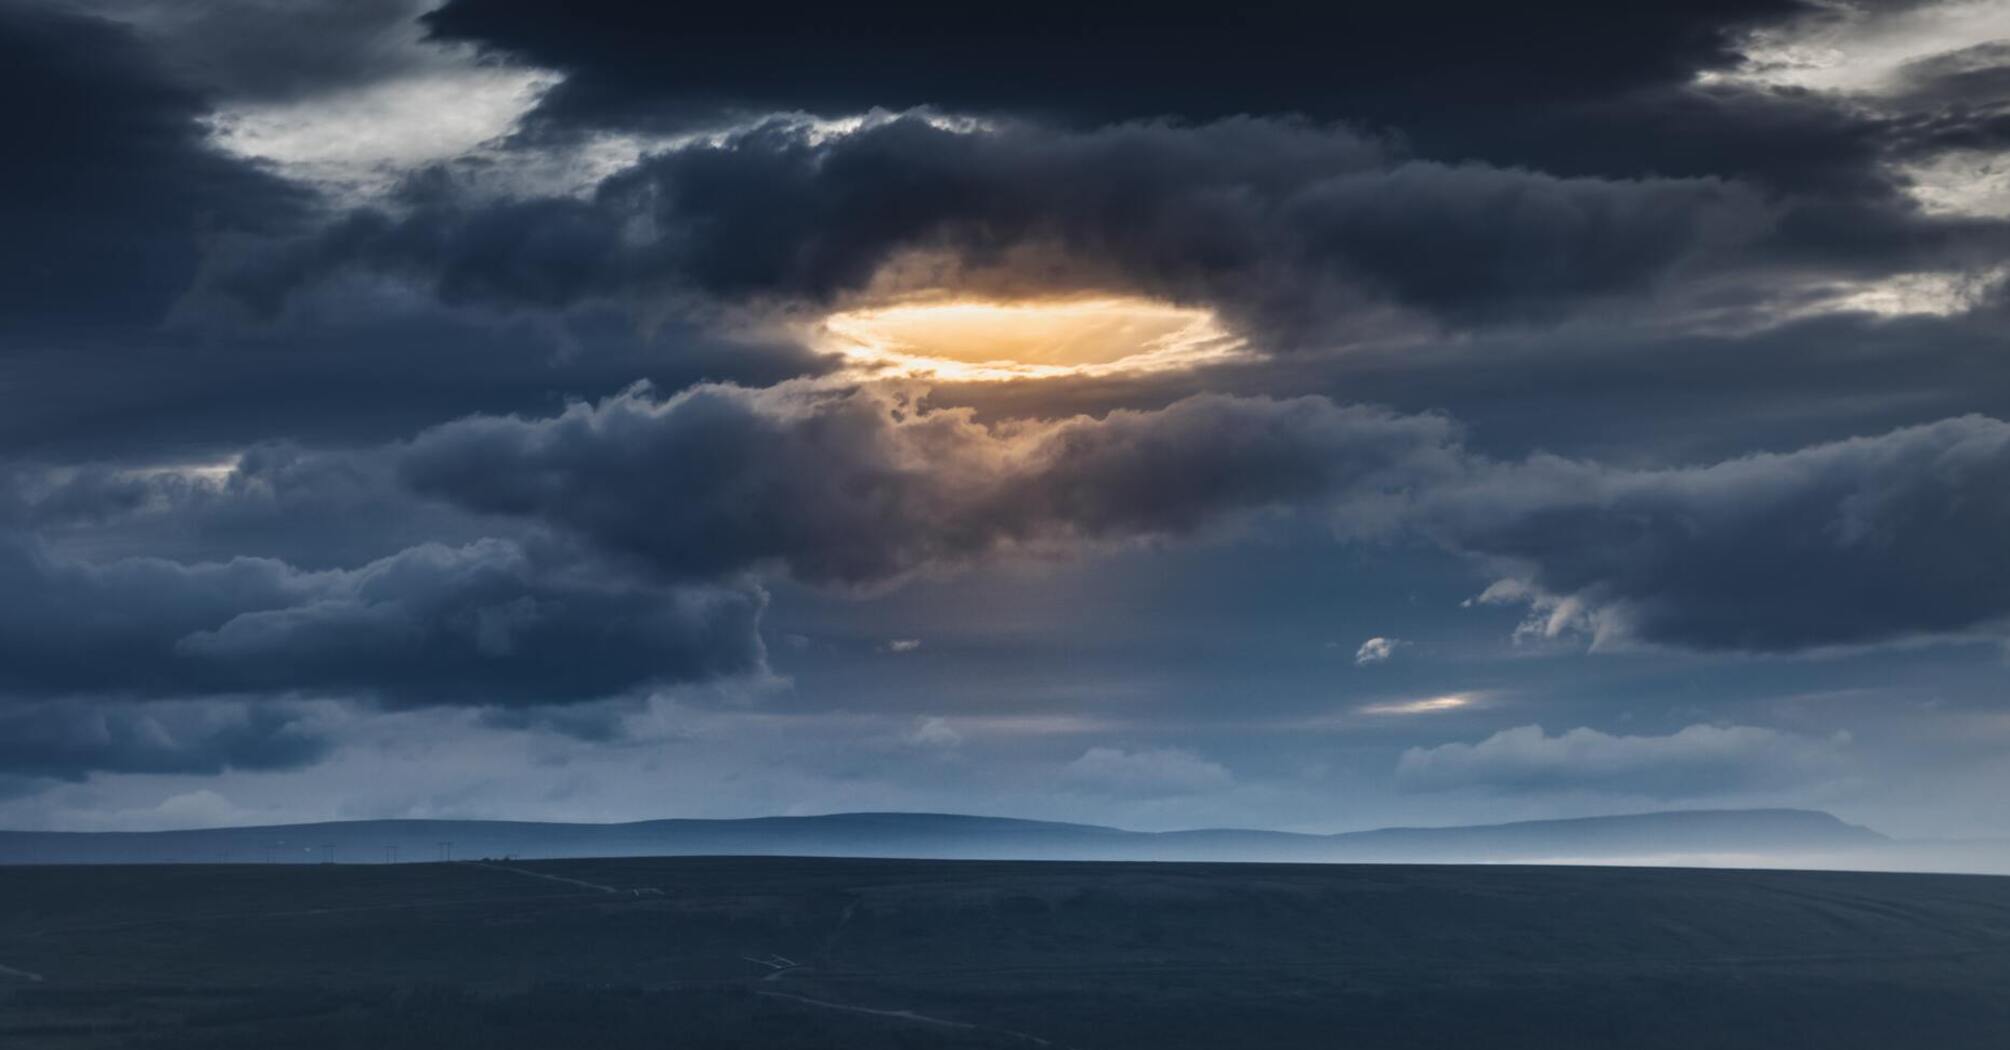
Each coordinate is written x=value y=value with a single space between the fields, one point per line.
x=982 y=339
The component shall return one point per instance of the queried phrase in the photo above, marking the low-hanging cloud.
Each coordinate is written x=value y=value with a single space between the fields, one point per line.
x=1853 y=542
x=66 y=741
x=1154 y=772
x=486 y=623
x=1700 y=760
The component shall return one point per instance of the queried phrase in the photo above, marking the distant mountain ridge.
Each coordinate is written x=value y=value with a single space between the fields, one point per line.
x=1704 y=836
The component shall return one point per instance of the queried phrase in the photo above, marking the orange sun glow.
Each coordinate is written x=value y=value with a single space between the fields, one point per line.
x=977 y=339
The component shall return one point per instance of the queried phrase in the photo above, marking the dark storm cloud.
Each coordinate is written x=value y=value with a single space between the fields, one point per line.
x=280 y=50
x=485 y=623
x=1790 y=142
x=313 y=509
x=67 y=741
x=110 y=191
x=1856 y=542
x=632 y=63
x=1572 y=89
x=1288 y=228
x=1971 y=78
x=1623 y=393
x=865 y=485
x=1959 y=100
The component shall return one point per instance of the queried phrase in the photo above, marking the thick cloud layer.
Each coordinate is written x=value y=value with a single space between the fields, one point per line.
x=111 y=190
x=280 y=50
x=1300 y=232
x=488 y=623
x=864 y=485
x=66 y=741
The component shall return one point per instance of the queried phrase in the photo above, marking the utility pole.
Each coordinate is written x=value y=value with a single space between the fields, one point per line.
x=446 y=851
x=328 y=853
x=390 y=854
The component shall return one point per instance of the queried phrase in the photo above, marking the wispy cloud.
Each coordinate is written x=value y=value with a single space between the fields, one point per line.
x=1422 y=706
x=1376 y=650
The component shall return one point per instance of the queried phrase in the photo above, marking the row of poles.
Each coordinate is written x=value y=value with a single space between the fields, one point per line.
x=327 y=851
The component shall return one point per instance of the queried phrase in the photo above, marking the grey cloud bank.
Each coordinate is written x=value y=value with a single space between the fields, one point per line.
x=861 y=485
x=486 y=623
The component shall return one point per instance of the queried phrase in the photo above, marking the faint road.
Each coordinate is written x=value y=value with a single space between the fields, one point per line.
x=905 y=1015
x=554 y=878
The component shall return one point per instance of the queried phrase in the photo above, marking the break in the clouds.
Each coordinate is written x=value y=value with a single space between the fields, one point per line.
x=928 y=407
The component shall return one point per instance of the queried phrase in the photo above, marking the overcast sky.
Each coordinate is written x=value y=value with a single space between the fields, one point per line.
x=1288 y=415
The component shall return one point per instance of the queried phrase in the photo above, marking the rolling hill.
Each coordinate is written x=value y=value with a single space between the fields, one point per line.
x=1717 y=838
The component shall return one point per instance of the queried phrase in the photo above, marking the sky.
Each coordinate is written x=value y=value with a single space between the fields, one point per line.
x=1280 y=415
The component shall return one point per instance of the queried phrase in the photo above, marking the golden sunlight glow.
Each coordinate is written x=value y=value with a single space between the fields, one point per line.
x=214 y=472
x=978 y=339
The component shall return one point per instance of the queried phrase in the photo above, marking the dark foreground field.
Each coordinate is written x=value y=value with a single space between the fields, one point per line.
x=778 y=953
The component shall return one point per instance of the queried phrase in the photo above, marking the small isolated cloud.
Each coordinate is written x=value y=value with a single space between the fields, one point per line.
x=1699 y=760
x=901 y=645
x=1376 y=650
x=934 y=732
x=1146 y=772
